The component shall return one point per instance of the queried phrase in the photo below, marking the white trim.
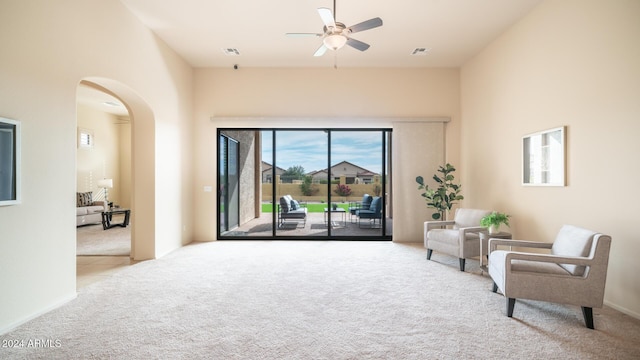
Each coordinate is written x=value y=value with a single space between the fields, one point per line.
x=622 y=309
x=43 y=311
x=316 y=122
x=18 y=167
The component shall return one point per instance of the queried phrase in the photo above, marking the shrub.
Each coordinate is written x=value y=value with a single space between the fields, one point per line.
x=342 y=190
x=307 y=187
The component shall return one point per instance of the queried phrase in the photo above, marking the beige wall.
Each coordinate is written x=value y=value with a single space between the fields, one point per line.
x=574 y=63
x=570 y=63
x=106 y=159
x=125 y=190
x=48 y=47
x=308 y=98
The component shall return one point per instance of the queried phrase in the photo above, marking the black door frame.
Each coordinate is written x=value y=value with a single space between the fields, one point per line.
x=385 y=133
x=223 y=197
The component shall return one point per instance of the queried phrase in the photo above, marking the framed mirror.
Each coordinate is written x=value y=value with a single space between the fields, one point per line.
x=543 y=158
x=9 y=162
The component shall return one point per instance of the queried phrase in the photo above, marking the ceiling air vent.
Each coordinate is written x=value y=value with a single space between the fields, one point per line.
x=420 y=51
x=231 y=52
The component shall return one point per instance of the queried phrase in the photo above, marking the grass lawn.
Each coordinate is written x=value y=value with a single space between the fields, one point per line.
x=311 y=207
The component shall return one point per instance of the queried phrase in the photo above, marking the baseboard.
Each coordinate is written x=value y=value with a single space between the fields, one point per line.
x=623 y=310
x=51 y=307
x=420 y=241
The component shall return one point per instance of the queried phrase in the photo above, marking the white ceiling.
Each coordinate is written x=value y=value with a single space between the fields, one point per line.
x=454 y=30
x=199 y=30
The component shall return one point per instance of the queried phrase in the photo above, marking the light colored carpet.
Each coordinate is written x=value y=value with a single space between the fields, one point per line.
x=314 y=300
x=93 y=240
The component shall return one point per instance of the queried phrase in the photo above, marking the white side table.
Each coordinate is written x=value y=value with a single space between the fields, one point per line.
x=484 y=244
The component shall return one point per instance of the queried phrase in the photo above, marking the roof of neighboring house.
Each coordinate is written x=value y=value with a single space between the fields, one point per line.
x=315 y=172
x=266 y=166
x=364 y=171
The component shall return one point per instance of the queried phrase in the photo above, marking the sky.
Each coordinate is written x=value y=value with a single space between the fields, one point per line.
x=309 y=149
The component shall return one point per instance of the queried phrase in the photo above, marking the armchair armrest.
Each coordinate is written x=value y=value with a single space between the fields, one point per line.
x=548 y=258
x=438 y=224
x=494 y=243
x=472 y=229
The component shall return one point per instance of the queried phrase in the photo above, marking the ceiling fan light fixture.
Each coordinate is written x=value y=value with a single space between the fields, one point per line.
x=334 y=41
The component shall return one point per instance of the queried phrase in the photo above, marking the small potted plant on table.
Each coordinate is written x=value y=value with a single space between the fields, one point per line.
x=494 y=220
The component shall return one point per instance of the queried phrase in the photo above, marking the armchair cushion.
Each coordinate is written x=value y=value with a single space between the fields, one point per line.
x=374 y=211
x=499 y=257
x=453 y=236
x=285 y=203
x=465 y=218
x=366 y=201
x=360 y=205
x=295 y=205
x=573 y=241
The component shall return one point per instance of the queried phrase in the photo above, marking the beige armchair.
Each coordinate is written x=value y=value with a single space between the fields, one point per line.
x=574 y=272
x=458 y=237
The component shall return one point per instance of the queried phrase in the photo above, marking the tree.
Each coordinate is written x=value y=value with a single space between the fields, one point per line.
x=293 y=173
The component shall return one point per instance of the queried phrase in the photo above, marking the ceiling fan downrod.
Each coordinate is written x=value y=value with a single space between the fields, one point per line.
x=335 y=17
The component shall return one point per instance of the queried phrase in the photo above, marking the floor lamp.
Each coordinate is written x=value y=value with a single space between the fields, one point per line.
x=106 y=184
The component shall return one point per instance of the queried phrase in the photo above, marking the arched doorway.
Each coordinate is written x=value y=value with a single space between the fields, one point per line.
x=142 y=165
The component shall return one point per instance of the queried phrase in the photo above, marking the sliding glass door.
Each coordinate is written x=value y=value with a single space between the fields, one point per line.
x=229 y=201
x=316 y=184
x=300 y=190
x=357 y=176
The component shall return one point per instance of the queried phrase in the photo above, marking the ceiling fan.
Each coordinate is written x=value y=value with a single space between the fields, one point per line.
x=335 y=34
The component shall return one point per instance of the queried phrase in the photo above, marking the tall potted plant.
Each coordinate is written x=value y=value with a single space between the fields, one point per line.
x=445 y=195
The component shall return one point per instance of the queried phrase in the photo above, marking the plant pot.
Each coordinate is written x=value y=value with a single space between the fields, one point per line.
x=494 y=229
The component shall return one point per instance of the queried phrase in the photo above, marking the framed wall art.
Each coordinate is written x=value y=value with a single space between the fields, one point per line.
x=9 y=162
x=543 y=158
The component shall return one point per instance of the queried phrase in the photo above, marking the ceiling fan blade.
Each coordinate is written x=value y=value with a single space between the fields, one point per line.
x=327 y=17
x=366 y=25
x=357 y=44
x=321 y=50
x=303 y=34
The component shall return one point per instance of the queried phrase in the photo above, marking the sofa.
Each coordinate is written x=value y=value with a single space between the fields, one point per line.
x=88 y=211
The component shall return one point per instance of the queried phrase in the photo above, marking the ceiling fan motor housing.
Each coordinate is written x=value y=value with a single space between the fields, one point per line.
x=338 y=30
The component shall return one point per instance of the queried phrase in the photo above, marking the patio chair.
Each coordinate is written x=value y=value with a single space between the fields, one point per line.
x=573 y=273
x=290 y=209
x=373 y=213
x=359 y=205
